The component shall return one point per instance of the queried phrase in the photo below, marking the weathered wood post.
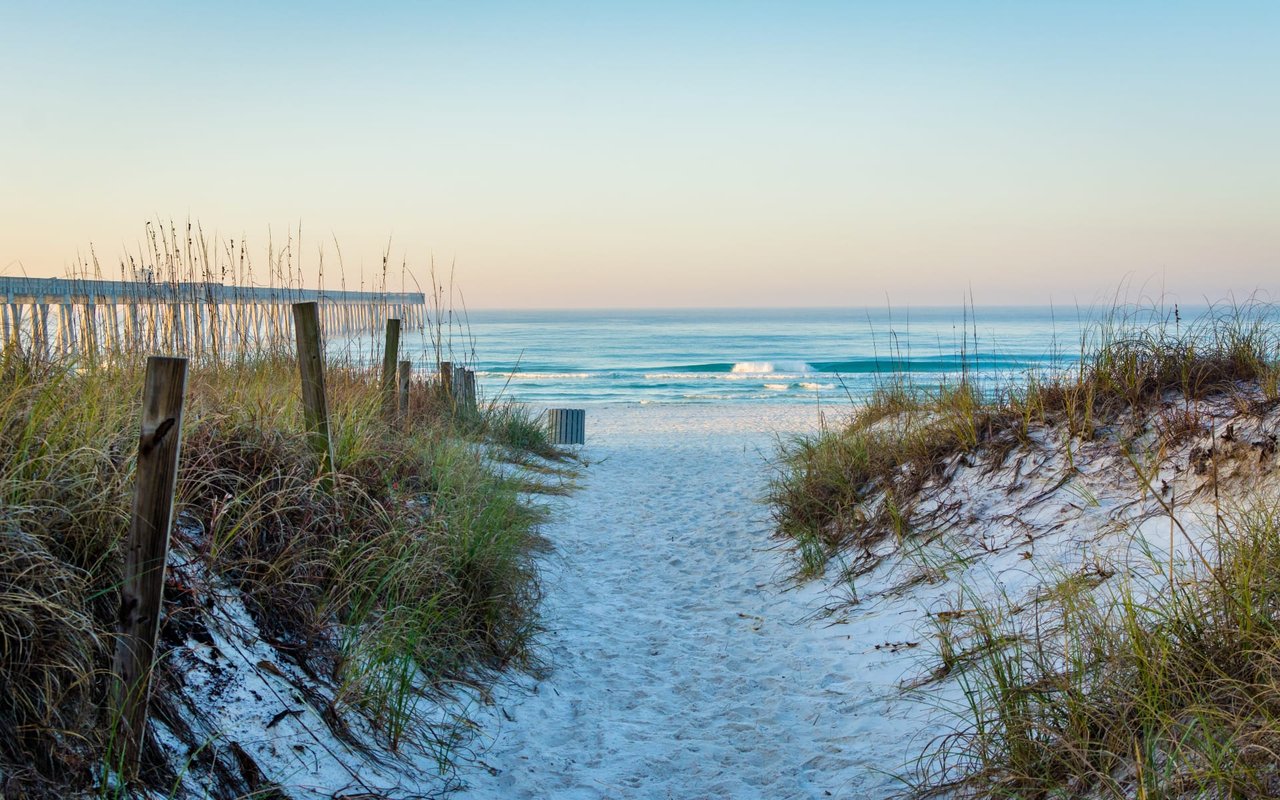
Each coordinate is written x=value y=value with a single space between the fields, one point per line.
x=406 y=374
x=446 y=380
x=306 y=325
x=159 y=445
x=390 y=355
x=459 y=386
x=469 y=389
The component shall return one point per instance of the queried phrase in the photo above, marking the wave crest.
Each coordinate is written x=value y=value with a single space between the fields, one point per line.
x=770 y=367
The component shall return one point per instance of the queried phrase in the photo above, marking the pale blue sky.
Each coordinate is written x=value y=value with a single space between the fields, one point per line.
x=651 y=154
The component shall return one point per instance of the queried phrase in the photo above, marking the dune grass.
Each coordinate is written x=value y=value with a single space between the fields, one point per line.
x=1131 y=362
x=1137 y=687
x=410 y=569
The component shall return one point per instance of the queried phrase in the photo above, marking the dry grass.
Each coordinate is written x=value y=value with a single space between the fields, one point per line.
x=417 y=554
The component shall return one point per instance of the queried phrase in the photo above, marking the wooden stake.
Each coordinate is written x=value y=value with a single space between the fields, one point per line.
x=469 y=389
x=159 y=445
x=446 y=380
x=306 y=324
x=389 y=357
x=406 y=374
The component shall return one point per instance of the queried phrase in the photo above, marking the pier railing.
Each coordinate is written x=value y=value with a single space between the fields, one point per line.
x=87 y=317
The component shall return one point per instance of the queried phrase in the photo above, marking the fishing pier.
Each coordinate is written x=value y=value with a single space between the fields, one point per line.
x=87 y=317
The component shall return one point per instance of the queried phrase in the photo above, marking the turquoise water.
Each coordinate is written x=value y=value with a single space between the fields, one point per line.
x=735 y=355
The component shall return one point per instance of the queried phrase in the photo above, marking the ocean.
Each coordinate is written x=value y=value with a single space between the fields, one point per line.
x=580 y=357
x=752 y=355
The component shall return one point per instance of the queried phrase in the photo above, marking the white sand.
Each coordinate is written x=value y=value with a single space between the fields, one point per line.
x=684 y=663
x=680 y=664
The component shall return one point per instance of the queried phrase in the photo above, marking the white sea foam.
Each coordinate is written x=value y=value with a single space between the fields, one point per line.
x=816 y=386
x=780 y=387
x=771 y=367
x=736 y=375
x=539 y=376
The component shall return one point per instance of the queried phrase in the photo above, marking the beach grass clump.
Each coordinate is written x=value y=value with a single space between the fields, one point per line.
x=406 y=568
x=1147 y=688
x=521 y=429
x=50 y=652
x=1134 y=359
x=822 y=495
x=1132 y=364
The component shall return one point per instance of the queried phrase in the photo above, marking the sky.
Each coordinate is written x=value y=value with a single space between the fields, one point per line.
x=662 y=154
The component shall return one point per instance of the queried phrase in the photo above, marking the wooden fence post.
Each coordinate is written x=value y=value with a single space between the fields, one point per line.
x=470 y=388
x=159 y=445
x=446 y=380
x=306 y=325
x=389 y=358
x=406 y=374
x=459 y=386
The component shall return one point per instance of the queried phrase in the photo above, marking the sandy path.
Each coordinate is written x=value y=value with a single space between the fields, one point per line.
x=680 y=667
